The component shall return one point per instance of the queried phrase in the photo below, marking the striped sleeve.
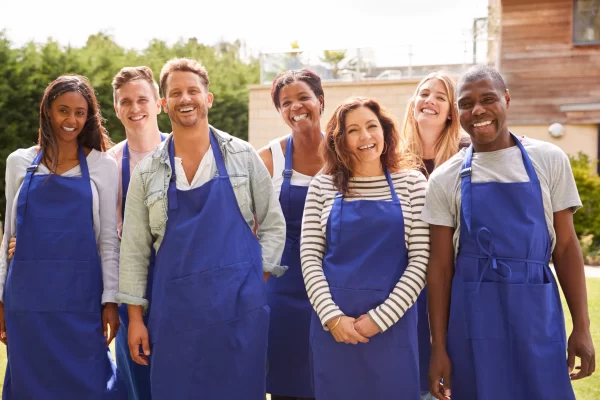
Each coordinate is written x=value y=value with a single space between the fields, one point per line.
x=411 y=283
x=312 y=250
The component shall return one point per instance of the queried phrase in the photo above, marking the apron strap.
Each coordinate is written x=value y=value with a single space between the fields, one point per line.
x=391 y=183
x=126 y=173
x=221 y=170
x=287 y=177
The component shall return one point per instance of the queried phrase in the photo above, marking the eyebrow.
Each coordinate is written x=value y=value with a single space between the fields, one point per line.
x=301 y=93
x=77 y=108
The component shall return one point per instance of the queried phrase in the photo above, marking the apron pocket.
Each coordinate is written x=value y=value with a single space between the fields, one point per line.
x=213 y=297
x=356 y=302
x=484 y=312
x=47 y=286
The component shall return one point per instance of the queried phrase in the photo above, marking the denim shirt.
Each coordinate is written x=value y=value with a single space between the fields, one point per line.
x=147 y=204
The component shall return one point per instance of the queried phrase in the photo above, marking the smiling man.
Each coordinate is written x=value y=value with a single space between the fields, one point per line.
x=195 y=200
x=498 y=212
x=137 y=104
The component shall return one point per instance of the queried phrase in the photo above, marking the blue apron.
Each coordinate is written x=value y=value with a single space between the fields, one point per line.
x=365 y=257
x=506 y=332
x=56 y=348
x=289 y=365
x=210 y=319
x=136 y=376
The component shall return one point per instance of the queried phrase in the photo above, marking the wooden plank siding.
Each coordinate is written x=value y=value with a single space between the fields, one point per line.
x=542 y=67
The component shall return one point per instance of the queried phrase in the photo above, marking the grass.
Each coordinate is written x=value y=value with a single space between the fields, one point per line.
x=586 y=389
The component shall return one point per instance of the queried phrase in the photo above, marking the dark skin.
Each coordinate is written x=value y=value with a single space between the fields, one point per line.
x=482 y=112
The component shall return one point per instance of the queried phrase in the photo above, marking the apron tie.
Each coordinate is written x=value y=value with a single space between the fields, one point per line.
x=491 y=260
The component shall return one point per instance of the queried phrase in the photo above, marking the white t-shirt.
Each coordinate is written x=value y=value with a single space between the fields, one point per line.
x=298 y=179
x=551 y=164
x=103 y=173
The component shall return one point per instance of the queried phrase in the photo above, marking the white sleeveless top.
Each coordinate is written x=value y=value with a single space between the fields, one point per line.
x=298 y=179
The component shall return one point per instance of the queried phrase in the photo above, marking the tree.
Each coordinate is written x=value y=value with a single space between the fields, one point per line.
x=334 y=58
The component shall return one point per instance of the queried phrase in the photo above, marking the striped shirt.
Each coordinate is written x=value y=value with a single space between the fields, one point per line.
x=410 y=187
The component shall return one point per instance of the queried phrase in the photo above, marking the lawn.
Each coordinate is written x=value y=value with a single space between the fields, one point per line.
x=586 y=389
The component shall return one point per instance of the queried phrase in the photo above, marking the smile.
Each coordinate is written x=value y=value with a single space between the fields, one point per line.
x=300 y=117
x=480 y=124
x=367 y=146
x=428 y=111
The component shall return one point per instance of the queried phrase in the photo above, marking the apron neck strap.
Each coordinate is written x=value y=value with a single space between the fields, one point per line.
x=388 y=176
x=286 y=185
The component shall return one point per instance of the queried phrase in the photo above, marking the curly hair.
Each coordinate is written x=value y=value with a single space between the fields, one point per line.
x=338 y=159
x=93 y=135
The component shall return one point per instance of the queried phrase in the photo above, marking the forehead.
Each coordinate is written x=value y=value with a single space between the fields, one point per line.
x=70 y=99
x=183 y=79
x=294 y=88
x=359 y=116
x=477 y=87
x=136 y=88
x=435 y=85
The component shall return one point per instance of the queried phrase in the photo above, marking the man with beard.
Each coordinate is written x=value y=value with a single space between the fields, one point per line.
x=195 y=200
x=498 y=211
x=137 y=105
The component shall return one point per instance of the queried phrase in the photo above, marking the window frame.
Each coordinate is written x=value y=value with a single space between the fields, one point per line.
x=580 y=42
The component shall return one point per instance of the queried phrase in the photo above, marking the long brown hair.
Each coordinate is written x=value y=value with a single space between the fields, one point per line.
x=93 y=135
x=338 y=160
x=447 y=144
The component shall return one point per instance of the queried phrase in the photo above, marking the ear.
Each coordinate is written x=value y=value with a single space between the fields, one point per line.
x=209 y=99
x=322 y=101
x=507 y=98
x=158 y=106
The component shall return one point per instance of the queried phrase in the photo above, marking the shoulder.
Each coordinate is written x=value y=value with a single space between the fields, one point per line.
x=410 y=176
x=102 y=162
x=322 y=183
x=116 y=151
x=231 y=143
x=542 y=149
x=447 y=175
x=21 y=157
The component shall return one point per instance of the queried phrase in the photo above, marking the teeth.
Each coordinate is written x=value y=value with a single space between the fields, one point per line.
x=137 y=118
x=485 y=123
x=428 y=111
x=68 y=129
x=299 y=117
x=368 y=146
x=186 y=109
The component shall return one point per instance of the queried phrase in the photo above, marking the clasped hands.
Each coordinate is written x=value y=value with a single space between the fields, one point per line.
x=351 y=330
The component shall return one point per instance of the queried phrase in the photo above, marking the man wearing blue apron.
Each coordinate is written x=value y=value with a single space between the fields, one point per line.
x=499 y=211
x=137 y=105
x=194 y=201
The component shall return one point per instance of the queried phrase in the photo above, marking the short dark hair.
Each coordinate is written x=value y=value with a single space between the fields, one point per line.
x=478 y=72
x=305 y=75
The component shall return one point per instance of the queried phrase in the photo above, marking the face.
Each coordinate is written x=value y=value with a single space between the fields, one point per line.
x=432 y=107
x=482 y=111
x=300 y=107
x=364 y=135
x=187 y=101
x=68 y=114
x=137 y=107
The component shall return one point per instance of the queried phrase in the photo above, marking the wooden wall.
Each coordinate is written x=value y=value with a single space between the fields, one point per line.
x=542 y=67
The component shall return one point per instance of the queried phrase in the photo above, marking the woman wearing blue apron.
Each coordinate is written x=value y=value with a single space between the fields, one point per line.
x=298 y=96
x=135 y=376
x=364 y=253
x=432 y=132
x=62 y=280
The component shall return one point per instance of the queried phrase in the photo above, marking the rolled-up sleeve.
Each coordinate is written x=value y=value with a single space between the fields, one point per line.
x=270 y=219
x=136 y=246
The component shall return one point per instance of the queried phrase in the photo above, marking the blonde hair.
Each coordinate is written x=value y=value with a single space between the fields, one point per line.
x=447 y=144
x=337 y=157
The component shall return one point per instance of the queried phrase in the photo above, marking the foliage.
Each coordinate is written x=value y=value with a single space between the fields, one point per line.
x=26 y=71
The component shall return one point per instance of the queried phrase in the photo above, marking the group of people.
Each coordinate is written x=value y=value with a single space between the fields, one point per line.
x=362 y=261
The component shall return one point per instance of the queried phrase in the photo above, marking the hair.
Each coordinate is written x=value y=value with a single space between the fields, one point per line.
x=448 y=142
x=336 y=155
x=129 y=74
x=478 y=72
x=93 y=135
x=297 y=75
x=183 y=65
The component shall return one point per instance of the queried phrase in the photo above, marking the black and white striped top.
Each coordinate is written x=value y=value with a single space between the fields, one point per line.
x=410 y=187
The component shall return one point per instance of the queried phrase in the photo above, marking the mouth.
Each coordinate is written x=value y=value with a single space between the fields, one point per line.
x=67 y=129
x=428 y=111
x=186 y=109
x=300 y=117
x=367 y=146
x=137 y=118
x=482 y=124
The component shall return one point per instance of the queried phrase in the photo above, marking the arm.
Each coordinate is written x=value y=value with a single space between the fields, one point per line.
x=412 y=281
x=568 y=262
x=136 y=247
x=108 y=241
x=267 y=159
x=269 y=217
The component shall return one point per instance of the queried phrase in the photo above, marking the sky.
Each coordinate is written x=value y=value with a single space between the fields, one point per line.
x=429 y=26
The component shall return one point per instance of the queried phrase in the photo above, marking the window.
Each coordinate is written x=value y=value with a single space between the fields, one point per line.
x=586 y=22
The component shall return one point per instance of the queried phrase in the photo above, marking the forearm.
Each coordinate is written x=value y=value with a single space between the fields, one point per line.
x=568 y=263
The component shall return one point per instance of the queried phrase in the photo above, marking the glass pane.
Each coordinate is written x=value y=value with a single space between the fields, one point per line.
x=587 y=21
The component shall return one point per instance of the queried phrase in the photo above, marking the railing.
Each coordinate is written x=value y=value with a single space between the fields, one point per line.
x=381 y=63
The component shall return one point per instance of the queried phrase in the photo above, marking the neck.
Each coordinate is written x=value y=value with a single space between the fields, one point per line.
x=429 y=137
x=307 y=141
x=143 y=142
x=191 y=141
x=368 y=169
x=67 y=151
x=503 y=141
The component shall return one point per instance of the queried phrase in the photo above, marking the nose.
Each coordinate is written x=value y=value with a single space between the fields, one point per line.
x=430 y=99
x=364 y=134
x=478 y=109
x=185 y=97
x=296 y=106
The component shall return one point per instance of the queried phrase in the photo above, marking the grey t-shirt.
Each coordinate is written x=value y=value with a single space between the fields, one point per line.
x=551 y=164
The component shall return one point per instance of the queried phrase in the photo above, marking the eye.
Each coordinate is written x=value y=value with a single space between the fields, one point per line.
x=372 y=126
x=440 y=98
x=488 y=100
x=143 y=101
x=351 y=131
x=193 y=91
x=285 y=104
x=80 y=113
x=305 y=98
x=125 y=102
x=465 y=106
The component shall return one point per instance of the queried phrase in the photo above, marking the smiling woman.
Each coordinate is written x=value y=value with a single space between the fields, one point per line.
x=60 y=193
